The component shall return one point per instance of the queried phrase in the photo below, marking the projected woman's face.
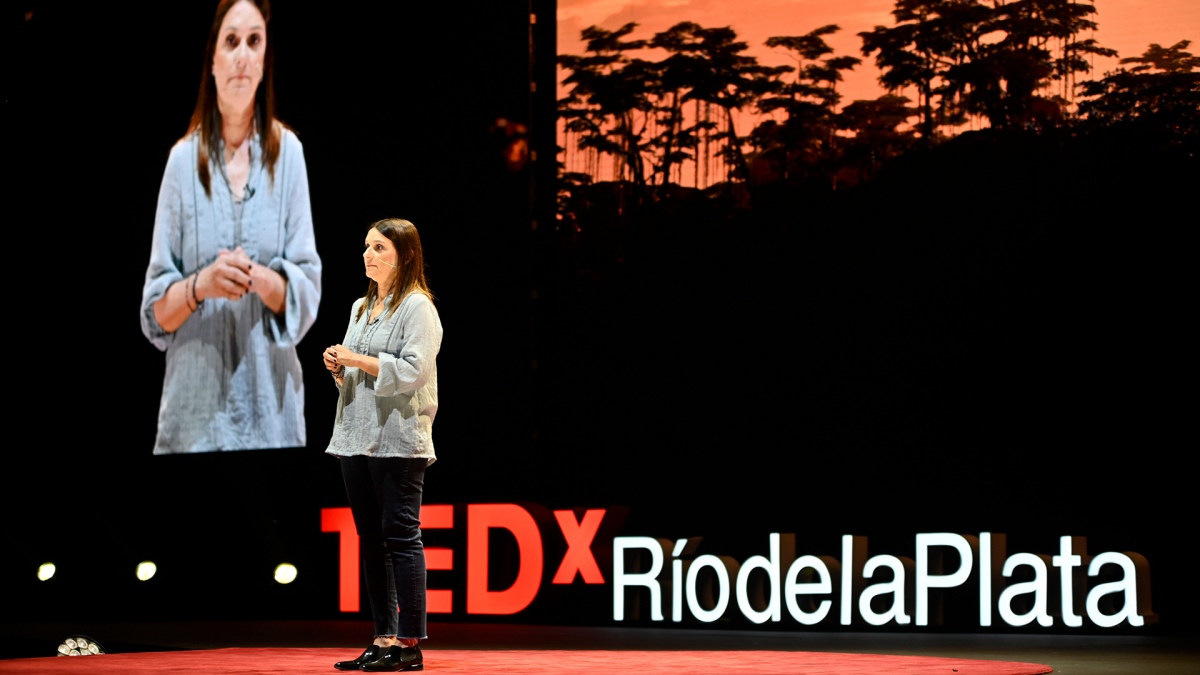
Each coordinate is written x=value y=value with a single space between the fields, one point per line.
x=380 y=259
x=237 y=65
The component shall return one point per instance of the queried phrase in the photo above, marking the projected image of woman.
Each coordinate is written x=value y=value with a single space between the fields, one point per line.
x=234 y=278
x=386 y=373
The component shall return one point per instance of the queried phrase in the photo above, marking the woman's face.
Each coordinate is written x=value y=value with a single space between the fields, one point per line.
x=237 y=65
x=380 y=259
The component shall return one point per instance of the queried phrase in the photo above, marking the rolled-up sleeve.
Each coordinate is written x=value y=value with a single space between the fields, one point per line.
x=412 y=350
x=166 y=263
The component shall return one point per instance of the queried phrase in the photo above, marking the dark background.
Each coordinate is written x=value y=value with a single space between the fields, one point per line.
x=988 y=341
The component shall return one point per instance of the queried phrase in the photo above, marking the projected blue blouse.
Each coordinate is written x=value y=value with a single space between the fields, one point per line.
x=233 y=380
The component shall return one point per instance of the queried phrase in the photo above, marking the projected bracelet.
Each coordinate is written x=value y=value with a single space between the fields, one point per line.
x=195 y=298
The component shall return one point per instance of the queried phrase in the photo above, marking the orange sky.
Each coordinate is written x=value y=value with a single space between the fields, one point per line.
x=1129 y=26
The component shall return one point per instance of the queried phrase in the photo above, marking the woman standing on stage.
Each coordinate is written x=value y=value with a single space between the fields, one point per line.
x=234 y=278
x=386 y=374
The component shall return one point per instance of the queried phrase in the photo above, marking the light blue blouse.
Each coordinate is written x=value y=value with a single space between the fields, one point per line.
x=233 y=380
x=390 y=415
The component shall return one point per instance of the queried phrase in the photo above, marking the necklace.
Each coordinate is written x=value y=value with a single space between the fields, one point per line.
x=240 y=191
x=377 y=308
x=237 y=170
x=235 y=165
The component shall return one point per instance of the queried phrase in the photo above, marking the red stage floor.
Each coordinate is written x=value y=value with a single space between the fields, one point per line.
x=262 y=648
x=272 y=661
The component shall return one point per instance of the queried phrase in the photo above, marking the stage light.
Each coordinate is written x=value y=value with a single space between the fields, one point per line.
x=146 y=570
x=285 y=573
x=79 y=645
x=45 y=571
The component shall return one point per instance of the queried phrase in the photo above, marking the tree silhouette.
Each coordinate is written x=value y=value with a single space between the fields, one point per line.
x=608 y=106
x=918 y=50
x=966 y=57
x=1008 y=66
x=1002 y=79
x=877 y=137
x=804 y=143
x=677 y=76
x=1161 y=91
x=616 y=100
x=731 y=81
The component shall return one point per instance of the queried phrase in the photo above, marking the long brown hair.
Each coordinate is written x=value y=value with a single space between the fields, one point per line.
x=207 y=116
x=409 y=275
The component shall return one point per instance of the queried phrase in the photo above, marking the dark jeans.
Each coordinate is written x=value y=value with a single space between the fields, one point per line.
x=385 y=499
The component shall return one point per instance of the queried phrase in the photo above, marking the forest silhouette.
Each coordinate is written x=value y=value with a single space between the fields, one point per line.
x=953 y=270
x=992 y=67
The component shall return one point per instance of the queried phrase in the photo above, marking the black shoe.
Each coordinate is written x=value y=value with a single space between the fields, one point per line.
x=369 y=654
x=397 y=658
